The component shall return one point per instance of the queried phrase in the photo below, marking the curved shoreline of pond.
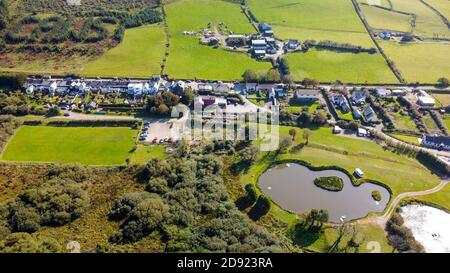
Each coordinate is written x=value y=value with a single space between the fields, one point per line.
x=355 y=183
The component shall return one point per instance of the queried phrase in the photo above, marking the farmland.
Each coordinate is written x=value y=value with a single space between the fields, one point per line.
x=189 y=59
x=329 y=66
x=441 y=5
x=310 y=19
x=85 y=145
x=139 y=55
x=430 y=62
x=384 y=19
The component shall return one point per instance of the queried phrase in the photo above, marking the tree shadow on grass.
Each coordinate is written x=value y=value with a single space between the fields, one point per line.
x=256 y=213
x=304 y=236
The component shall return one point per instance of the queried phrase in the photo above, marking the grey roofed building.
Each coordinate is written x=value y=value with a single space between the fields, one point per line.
x=382 y=93
x=263 y=27
x=369 y=115
x=359 y=96
x=341 y=102
x=436 y=142
x=307 y=95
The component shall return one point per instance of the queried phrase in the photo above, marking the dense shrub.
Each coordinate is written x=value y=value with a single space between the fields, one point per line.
x=55 y=203
x=25 y=243
x=400 y=237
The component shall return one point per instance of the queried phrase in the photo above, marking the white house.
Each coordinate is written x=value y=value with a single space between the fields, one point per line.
x=382 y=93
x=135 y=88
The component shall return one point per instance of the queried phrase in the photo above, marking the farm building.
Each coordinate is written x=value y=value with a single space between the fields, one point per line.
x=424 y=99
x=307 y=95
x=292 y=44
x=436 y=142
x=265 y=29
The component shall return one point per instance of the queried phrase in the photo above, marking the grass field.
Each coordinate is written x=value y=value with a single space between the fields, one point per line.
x=189 y=59
x=85 y=145
x=423 y=62
x=328 y=66
x=297 y=106
x=442 y=5
x=145 y=153
x=403 y=122
x=406 y=138
x=139 y=55
x=440 y=198
x=428 y=23
x=310 y=19
x=442 y=98
x=383 y=19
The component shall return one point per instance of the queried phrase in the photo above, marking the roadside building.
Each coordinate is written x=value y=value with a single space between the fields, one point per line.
x=341 y=102
x=307 y=95
x=382 y=92
x=292 y=44
x=424 y=99
x=359 y=97
x=436 y=142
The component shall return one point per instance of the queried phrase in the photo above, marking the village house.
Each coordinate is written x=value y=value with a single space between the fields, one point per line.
x=369 y=115
x=292 y=44
x=382 y=93
x=341 y=102
x=265 y=29
x=359 y=97
x=436 y=142
x=307 y=95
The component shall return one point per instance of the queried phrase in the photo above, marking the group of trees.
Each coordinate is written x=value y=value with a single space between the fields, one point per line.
x=400 y=237
x=271 y=76
x=15 y=103
x=162 y=103
x=187 y=204
x=55 y=203
x=339 y=46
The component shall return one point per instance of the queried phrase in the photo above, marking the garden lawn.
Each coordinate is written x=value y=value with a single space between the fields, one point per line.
x=189 y=59
x=328 y=66
x=296 y=106
x=420 y=62
x=311 y=19
x=145 y=153
x=85 y=145
x=139 y=55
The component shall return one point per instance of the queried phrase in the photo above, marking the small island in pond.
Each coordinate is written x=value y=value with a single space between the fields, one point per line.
x=376 y=195
x=329 y=183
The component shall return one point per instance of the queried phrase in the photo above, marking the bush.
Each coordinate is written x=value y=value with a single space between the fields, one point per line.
x=55 y=203
x=330 y=183
x=251 y=193
x=376 y=195
x=25 y=243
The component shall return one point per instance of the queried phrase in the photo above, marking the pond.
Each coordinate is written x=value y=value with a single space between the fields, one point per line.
x=292 y=187
x=430 y=227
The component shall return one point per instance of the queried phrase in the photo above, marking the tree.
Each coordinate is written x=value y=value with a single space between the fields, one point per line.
x=323 y=217
x=285 y=143
x=272 y=76
x=250 y=76
x=306 y=135
x=54 y=111
x=125 y=204
x=293 y=133
x=312 y=217
x=187 y=97
x=251 y=193
x=444 y=82
x=307 y=82
x=263 y=204
x=163 y=110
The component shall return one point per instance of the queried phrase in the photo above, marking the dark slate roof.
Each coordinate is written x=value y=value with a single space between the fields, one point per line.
x=438 y=140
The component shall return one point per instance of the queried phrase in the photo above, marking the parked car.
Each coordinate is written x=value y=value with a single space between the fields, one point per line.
x=67 y=114
x=142 y=138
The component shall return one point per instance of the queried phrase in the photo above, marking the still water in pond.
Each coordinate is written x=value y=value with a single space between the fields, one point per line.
x=292 y=187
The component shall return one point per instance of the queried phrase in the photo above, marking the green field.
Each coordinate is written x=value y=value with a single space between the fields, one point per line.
x=189 y=59
x=311 y=19
x=383 y=19
x=139 y=55
x=145 y=153
x=85 y=145
x=423 y=62
x=440 y=198
x=428 y=23
x=442 y=5
x=403 y=122
x=406 y=138
x=328 y=66
x=442 y=98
